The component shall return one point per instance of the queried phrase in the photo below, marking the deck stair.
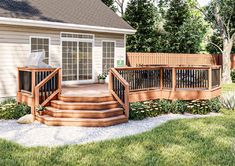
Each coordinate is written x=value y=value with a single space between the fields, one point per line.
x=83 y=111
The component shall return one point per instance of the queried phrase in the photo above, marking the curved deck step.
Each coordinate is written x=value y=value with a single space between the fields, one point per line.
x=57 y=113
x=84 y=106
x=85 y=99
x=85 y=122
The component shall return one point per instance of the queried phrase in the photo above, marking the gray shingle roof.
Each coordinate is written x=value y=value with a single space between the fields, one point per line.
x=82 y=12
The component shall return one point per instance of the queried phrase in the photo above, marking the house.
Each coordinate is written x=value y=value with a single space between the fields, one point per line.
x=83 y=37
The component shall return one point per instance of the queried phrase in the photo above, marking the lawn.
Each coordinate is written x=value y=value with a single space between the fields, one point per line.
x=228 y=87
x=206 y=141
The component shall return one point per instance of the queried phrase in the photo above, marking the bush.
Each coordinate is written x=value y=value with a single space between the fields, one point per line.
x=233 y=75
x=9 y=109
x=141 y=110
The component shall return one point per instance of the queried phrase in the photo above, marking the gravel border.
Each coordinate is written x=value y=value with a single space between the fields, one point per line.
x=37 y=134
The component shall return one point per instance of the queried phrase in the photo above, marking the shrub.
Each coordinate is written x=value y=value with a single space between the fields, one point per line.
x=9 y=109
x=228 y=100
x=233 y=75
x=141 y=110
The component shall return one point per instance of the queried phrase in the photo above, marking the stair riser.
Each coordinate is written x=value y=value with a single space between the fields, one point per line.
x=84 y=107
x=86 y=99
x=82 y=124
x=83 y=115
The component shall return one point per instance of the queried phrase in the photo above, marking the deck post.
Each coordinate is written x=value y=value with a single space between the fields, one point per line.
x=110 y=81
x=60 y=81
x=33 y=93
x=173 y=79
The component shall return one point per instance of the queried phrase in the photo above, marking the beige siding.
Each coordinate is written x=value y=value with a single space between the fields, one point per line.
x=15 y=48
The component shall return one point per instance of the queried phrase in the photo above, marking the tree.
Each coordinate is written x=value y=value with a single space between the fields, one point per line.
x=110 y=4
x=120 y=6
x=185 y=28
x=221 y=15
x=140 y=15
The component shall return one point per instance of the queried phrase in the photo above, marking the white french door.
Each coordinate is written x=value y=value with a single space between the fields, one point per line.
x=77 y=61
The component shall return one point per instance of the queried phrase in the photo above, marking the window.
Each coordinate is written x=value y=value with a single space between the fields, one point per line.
x=108 y=56
x=76 y=36
x=40 y=44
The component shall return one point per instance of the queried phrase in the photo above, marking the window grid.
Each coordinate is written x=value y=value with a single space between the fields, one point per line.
x=108 y=56
x=41 y=44
x=77 y=36
x=69 y=61
x=85 y=61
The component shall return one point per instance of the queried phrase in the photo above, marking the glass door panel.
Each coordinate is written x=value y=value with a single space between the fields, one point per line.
x=85 y=61
x=69 y=61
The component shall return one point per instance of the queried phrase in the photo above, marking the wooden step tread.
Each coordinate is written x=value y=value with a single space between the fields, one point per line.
x=85 y=99
x=84 y=113
x=83 y=105
x=88 y=122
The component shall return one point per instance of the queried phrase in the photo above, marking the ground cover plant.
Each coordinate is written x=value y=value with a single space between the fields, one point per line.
x=152 y=108
x=10 y=109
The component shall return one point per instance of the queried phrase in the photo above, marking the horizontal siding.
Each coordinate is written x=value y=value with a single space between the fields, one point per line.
x=15 y=49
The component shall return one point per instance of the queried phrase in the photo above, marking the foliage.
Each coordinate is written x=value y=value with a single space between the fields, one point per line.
x=110 y=4
x=228 y=100
x=228 y=88
x=140 y=14
x=186 y=142
x=9 y=109
x=40 y=108
x=233 y=75
x=102 y=76
x=185 y=27
x=141 y=110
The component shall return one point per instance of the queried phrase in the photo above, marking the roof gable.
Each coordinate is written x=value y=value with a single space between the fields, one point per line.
x=82 y=12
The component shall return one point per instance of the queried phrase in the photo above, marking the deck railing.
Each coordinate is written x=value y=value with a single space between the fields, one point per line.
x=175 y=78
x=41 y=84
x=119 y=88
x=165 y=82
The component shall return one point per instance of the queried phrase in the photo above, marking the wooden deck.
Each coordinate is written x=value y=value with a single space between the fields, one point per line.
x=86 y=90
x=99 y=105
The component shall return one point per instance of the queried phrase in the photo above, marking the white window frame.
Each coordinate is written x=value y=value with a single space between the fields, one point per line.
x=111 y=41
x=49 y=46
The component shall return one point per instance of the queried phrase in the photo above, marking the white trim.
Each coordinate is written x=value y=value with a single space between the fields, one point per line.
x=25 y=22
x=49 y=46
x=111 y=41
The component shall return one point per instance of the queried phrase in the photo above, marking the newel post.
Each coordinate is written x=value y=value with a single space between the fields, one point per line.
x=173 y=79
x=210 y=78
x=33 y=111
x=110 y=81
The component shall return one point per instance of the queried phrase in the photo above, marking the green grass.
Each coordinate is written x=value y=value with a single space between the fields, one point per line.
x=228 y=87
x=206 y=141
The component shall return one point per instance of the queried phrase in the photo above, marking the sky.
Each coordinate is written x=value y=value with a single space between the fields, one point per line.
x=203 y=2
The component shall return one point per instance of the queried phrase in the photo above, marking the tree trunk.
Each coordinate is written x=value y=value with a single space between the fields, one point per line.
x=227 y=47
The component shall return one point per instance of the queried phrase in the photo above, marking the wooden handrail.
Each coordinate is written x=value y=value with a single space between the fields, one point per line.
x=125 y=103
x=43 y=82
